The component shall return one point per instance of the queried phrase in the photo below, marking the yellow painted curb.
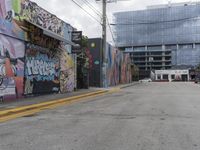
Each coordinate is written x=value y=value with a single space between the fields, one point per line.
x=10 y=114
x=48 y=103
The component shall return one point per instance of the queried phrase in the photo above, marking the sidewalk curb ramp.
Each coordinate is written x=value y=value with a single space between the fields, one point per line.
x=13 y=113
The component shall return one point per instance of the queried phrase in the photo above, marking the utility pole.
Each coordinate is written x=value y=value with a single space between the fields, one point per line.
x=104 y=37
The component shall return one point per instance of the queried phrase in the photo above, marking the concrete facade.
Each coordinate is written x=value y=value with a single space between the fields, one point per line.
x=161 y=37
x=172 y=75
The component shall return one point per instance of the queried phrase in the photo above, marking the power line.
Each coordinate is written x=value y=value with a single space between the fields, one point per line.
x=86 y=11
x=93 y=8
x=111 y=31
x=156 y=22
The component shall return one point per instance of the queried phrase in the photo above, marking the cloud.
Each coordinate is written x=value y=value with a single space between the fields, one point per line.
x=72 y=14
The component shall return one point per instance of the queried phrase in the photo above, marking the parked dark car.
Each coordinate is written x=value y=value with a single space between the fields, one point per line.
x=197 y=78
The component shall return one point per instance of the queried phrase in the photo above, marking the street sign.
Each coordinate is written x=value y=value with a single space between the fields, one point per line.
x=77 y=39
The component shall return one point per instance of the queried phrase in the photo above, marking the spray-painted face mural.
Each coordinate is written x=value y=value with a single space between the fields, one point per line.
x=11 y=67
x=42 y=71
x=67 y=77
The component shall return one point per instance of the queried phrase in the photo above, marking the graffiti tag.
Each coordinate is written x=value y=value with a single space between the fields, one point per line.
x=41 y=69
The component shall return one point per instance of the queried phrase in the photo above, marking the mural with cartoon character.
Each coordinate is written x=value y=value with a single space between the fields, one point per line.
x=11 y=67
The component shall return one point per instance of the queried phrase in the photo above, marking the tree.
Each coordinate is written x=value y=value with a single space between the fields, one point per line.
x=84 y=56
x=83 y=65
x=198 y=67
x=84 y=42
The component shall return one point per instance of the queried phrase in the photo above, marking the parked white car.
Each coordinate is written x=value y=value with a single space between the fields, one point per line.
x=145 y=80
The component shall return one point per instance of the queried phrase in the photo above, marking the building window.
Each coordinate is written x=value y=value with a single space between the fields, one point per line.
x=185 y=46
x=197 y=45
x=140 y=48
x=128 y=49
x=173 y=76
x=159 y=77
x=165 y=76
x=155 y=48
x=156 y=53
x=170 y=47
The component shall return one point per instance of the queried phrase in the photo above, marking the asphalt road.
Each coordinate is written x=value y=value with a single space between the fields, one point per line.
x=148 y=116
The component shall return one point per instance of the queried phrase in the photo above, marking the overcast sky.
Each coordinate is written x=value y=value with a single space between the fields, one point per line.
x=72 y=14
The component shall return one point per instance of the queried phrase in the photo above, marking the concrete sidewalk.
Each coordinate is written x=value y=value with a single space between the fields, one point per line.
x=43 y=98
x=52 y=97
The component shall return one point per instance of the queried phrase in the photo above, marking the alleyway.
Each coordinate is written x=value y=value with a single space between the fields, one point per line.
x=147 y=116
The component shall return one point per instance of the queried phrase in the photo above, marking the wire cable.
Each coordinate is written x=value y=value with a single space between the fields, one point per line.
x=86 y=11
x=93 y=8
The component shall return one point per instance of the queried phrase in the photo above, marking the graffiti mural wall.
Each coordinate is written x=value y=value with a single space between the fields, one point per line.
x=67 y=76
x=118 y=67
x=112 y=66
x=126 y=75
x=36 y=68
x=8 y=25
x=15 y=11
x=30 y=11
x=2 y=9
x=11 y=67
x=42 y=71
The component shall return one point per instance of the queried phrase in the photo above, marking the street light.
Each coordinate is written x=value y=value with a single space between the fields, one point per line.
x=151 y=59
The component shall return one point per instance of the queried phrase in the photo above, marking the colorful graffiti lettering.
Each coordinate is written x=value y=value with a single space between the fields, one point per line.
x=41 y=67
x=11 y=67
x=42 y=70
x=32 y=12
